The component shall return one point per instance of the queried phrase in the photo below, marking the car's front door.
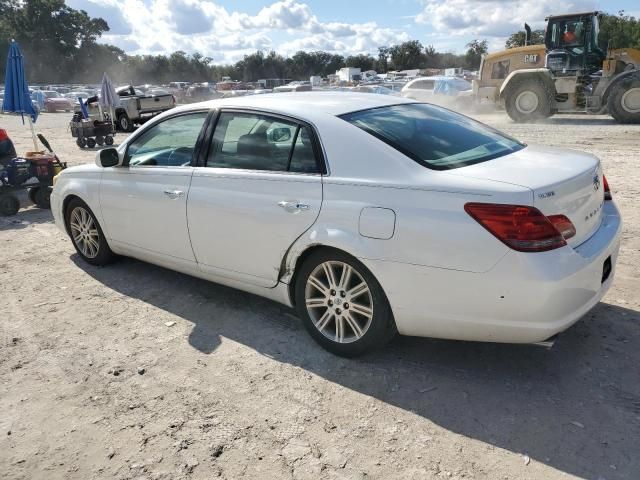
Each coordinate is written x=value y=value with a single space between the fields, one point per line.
x=260 y=190
x=144 y=201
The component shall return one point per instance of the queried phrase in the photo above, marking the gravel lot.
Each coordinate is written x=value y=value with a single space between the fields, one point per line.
x=94 y=384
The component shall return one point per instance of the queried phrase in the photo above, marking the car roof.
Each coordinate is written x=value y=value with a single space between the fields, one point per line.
x=306 y=105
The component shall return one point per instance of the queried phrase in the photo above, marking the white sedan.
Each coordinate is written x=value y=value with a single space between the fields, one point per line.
x=369 y=214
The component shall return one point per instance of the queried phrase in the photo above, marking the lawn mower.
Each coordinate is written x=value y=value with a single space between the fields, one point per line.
x=34 y=172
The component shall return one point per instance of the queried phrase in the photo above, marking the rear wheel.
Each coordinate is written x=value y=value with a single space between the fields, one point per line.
x=342 y=305
x=9 y=204
x=42 y=197
x=529 y=100
x=624 y=100
x=86 y=235
x=32 y=194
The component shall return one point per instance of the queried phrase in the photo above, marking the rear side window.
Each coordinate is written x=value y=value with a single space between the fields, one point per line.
x=252 y=141
x=423 y=85
x=434 y=137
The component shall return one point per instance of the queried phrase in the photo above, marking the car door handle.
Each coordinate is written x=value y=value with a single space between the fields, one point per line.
x=173 y=194
x=293 y=207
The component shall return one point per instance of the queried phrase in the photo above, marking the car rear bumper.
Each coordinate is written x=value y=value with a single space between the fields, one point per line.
x=525 y=298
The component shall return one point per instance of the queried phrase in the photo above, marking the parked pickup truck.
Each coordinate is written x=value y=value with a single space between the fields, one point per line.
x=135 y=107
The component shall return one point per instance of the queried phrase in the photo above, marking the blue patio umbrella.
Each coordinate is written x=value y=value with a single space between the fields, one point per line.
x=16 y=90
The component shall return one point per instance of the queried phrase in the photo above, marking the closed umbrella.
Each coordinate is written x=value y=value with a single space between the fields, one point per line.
x=108 y=96
x=16 y=90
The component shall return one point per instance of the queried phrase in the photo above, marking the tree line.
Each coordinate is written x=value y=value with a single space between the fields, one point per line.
x=60 y=45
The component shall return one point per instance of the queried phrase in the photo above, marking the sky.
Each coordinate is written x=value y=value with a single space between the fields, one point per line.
x=226 y=30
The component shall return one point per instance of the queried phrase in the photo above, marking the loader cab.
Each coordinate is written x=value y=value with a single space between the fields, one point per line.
x=572 y=44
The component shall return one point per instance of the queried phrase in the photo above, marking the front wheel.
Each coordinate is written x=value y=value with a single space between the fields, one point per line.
x=342 y=305
x=124 y=122
x=86 y=234
x=624 y=100
x=529 y=100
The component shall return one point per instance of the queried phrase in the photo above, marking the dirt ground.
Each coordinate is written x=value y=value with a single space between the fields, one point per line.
x=95 y=385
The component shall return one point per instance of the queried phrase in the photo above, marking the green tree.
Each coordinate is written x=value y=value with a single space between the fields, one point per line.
x=476 y=48
x=407 y=55
x=383 y=59
x=364 y=62
x=517 y=39
x=619 y=31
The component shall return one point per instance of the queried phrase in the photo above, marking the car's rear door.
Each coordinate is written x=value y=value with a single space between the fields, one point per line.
x=144 y=202
x=259 y=189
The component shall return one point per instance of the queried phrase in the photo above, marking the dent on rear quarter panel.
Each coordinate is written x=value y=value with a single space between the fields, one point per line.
x=431 y=228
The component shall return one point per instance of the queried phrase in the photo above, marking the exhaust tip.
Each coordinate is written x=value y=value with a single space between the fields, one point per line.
x=548 y=343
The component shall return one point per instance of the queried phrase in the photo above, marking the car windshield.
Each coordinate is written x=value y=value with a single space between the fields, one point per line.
x=434 y=137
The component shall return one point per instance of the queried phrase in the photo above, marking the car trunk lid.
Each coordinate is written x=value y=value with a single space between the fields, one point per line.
x=563 y=182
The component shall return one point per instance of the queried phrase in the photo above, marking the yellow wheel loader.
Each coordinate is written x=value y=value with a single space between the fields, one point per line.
x=570 y=73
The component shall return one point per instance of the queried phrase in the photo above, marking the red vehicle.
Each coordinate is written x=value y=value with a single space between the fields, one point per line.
x=7 y=150
x=54 y=102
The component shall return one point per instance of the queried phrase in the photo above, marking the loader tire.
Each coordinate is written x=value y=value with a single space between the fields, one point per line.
x=529 y=100
x=624 y=100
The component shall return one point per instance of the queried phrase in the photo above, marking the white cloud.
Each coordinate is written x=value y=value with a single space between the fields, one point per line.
x=493 y=19
x=164 y=26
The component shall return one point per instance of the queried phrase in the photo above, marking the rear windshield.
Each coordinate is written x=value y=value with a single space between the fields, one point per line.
x=435 y=137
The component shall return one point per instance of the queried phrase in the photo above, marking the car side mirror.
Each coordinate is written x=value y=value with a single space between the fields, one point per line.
x=278 y=135
x=108 y=157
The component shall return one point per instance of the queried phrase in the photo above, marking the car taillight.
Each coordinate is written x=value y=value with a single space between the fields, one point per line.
x=3 y=135
x=607 y=190
x=521 y=227
x=563 y=225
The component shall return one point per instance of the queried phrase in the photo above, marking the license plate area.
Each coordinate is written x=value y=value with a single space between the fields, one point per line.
x=606 y=269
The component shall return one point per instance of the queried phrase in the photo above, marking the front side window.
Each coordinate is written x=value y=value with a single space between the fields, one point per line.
x=259 y=142
x=433 y=136
x=423 y=85
x=170 y=143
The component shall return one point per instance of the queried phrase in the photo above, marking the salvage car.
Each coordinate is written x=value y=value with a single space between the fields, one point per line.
x=135 y=107
x=54 y=101
x=370 y=214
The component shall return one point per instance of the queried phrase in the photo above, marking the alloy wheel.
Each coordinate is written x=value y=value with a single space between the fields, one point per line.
x=339 y=301
x=84 y=232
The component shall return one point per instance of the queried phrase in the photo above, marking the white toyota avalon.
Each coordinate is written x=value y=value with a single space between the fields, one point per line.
x=369 y=214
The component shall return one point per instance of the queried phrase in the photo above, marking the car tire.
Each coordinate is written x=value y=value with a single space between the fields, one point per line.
x=529 y=100
x=100 y=140
x=31 y=192
x=9 y=205
x=342 y=305
x=623 y=100
x=86 y=234
x=124 y=123
x=42 y=197
x=108 y=140
x=91 y=142
x=81 y=142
